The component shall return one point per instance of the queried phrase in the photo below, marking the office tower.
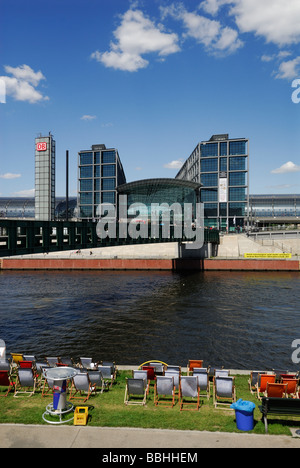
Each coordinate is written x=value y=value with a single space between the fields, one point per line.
x=221 y=165
x=45 y=178
x=100 y=171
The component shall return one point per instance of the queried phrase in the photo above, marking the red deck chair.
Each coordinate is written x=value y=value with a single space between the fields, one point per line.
x=5 y=381
x=192 y=364
x=292 y=386
x=25 y=364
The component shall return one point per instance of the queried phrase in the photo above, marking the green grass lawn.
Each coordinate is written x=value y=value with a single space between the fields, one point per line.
x=108 y=409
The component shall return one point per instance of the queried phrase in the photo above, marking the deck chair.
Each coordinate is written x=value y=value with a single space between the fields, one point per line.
x=107 y=374
x=262 y=381
x=203 y=381
x=5 y=365
x=26 y=382
x=26 y=364
x=189 y=393
x=135 y=392
x=97 y=380
x=176 y=376
x=87 y=363
x=52 y=360
x=278 y=374
x=292 y=386
x=224 y=393
x=6 y=381
x=81 y=388
x=29 y=357
x=222 y=373
x=66 y=361
x=174 y=368
x=164 y=391
x=253 y=379
x=111 y=364
x=16 y=357
x=2 y=350
x=159 y=368
x=141 y=374
x=47 y=383
x=192 y=364
x=276 y=390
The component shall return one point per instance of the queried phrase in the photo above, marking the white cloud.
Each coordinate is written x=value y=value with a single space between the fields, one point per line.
x=136 y=36
x=22 y=84
x=286 y=168
x=206 y=31
x=289 y=69
x=88 y=117
x=24 y=193
x=9 y=176
x=174 y=164
x=278 y=21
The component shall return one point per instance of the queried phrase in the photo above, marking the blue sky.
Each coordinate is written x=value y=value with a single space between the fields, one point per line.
x=152 y=79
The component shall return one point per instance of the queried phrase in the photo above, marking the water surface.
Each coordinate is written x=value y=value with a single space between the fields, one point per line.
x=241 y=320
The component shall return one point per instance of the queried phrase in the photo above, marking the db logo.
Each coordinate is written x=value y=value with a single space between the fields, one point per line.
x=41 y=146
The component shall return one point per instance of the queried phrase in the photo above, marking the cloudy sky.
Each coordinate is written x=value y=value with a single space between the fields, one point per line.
x=152 y=79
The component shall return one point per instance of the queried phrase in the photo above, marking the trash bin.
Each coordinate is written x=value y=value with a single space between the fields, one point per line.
x=244 y=414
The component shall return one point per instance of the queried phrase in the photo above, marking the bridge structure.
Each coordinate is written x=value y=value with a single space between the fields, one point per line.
x=22 y=237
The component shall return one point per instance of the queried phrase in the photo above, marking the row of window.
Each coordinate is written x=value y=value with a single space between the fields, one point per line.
x=234 y=194
x=212 y=179
x=90 y=157
x=88 y=185
x=212 y=149
x=108 y=170
x=212 y=164
x=234 y=209
x=88 y=198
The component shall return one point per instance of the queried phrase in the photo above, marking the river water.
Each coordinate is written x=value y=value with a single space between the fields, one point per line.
x=240 y=320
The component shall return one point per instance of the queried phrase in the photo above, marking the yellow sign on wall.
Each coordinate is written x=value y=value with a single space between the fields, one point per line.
x=268 y=255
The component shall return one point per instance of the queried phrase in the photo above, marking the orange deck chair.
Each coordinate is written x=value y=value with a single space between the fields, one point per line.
x=192 y=364
x=276 y=390
x=262 y=381
x=292 y=386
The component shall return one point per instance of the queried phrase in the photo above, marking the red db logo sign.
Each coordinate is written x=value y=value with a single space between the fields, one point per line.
x=41 y=146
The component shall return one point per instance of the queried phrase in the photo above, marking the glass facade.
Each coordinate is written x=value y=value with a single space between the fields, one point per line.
x=24 y=208
x=45 y=178
x=144 y=194
x=274 y=208
x=99 y=173
x=221 y=166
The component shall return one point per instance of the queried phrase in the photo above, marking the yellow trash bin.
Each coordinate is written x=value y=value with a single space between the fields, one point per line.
x=81 y=415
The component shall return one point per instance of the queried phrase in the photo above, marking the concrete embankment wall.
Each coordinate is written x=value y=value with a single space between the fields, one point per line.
x=177 y=264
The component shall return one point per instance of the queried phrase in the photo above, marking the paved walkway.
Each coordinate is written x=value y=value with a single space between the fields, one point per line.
x=35 y=436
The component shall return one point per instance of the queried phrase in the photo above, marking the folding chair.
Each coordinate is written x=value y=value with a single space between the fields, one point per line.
x=222 y=373
x=189 y=392
x=87 y=363
x=52 y=360
x=107 y=374
x=276 y=390
x=96 y=379
x=176 y=374
x=253 y=379
x=262 y=381
x=2 y=350
x=224 y=391
x=192 y=364
x=164 y=389
x=26 y=379
x=6 y=381
x=135 y=388
x=141 y=374
x=203 y=381
x=292 y=386
x=81 y=384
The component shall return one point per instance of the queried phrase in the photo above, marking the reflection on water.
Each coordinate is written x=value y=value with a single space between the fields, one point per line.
x=242 y=320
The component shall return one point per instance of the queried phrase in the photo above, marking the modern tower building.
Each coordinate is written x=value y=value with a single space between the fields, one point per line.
x=45 y=178
x=100 y=171
x=221 y=165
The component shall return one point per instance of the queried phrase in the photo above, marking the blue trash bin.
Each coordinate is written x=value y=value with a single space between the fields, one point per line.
x=244 y=414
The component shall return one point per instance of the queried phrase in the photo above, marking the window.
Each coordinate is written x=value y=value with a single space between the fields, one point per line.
x=108 y=197
x=108 y=157
x=223 y=149
x=237 y=147
x=237 y=178
x=209 y=180
x=209 y=149
x=210 y=209
x=86 y=158
x=85 y=198
x=86 y=171
x=108 y=184
x=237 y=164
x=237 y=194
x=209 y=165
x=109 y=170
x=209 y=195
x=86 y=185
